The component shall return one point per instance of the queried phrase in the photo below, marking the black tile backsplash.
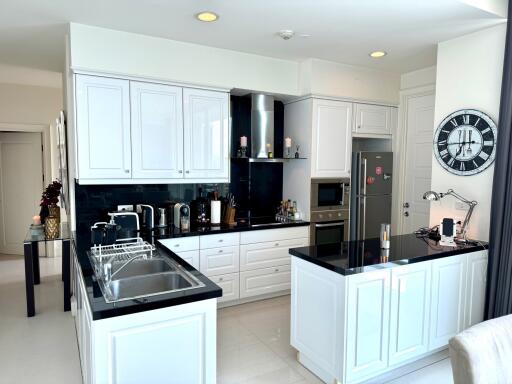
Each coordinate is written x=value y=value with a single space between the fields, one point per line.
x=93 y=202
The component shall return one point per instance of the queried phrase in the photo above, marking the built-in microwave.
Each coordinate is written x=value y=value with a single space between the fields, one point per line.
x=329 y=194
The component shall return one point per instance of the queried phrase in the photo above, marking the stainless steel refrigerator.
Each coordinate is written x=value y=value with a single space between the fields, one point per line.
x=371 y=190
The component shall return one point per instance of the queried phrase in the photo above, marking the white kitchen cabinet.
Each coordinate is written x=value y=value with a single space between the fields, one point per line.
x=220 y=240
x=181 y=244
x=219 y=261
x=206 y=134
x=331 y=148
x=268 y=254
x=191 y=257
x=448 y=299
x=277 y=234
x=157 y=131
x=103 y=128
x=368 y=298
x=230 y=285
x=410 y=310
x=372 y=119
x=475 y=289
x=265 y=281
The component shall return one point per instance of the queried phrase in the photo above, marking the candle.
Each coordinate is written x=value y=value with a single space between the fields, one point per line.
x=243 y=141
x=288 y=142
x=36 y=220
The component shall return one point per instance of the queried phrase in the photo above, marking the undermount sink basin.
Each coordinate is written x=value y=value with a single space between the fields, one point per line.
x=142 y=267
x=148 y=285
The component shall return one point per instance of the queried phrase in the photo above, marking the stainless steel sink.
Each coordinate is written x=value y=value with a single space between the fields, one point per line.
x=141 y=286
x=141 y=267
x=140 y=274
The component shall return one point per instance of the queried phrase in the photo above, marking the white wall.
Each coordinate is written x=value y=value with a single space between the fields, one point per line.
x=419 y=78
x=469 y=71
x=326 y=78
x=116 y=52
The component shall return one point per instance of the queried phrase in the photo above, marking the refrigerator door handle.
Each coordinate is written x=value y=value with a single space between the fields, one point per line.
x=362 y=219
x=363 y=180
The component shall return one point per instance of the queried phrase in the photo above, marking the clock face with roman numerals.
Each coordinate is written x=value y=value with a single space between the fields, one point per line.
x=465 y=142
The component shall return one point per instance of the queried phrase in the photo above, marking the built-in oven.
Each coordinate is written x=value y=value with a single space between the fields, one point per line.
x=329 y=226
x=329 y=194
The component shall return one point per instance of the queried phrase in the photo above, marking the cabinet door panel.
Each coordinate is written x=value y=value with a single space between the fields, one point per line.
x=219 y=261
x=332 y=139
x=373 y=119
x=206 y=134
x=447 y=306
x=475 y=290
x=157 y=130
x=191 y=257
x=230 y=285
x=410 y=309
x=103 y=128
x=269 y=254
x=367 y=324
x=265 y=280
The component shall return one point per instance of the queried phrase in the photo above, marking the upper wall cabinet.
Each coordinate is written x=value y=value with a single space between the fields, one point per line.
x=103 y=127
x=332 y=142
x=134 y=132
x=157 y=130
x=373 y=119
x=206 y=115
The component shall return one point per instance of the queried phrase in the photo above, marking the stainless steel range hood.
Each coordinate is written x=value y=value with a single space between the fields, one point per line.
x=262 y=125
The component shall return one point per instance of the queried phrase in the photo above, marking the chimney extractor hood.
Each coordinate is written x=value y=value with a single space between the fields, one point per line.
x=262 y=125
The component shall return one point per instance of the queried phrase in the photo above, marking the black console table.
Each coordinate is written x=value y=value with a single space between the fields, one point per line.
x=32 y=274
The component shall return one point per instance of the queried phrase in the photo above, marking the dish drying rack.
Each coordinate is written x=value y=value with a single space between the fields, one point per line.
x=123 y=250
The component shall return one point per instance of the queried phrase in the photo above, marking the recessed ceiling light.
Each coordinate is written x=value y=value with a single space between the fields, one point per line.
x=207 y=16
x=378 y=54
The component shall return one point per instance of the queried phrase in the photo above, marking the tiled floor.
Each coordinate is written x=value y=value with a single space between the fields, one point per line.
x=253 y=339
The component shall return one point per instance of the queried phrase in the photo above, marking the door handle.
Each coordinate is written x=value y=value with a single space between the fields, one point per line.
x=406 y=214
x=406 y=205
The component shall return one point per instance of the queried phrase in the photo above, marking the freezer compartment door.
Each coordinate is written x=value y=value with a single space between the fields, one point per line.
x=374 y=211
x=376 y=173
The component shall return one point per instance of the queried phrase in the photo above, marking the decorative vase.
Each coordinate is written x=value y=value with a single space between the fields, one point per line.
x=54 y=210
x=44 y=213
x=51 y=227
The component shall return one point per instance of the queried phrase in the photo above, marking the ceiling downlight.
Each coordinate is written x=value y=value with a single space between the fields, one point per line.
x=207 y=16
x=378 y=54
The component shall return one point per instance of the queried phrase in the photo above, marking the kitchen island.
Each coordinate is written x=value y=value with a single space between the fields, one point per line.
x=358 y=311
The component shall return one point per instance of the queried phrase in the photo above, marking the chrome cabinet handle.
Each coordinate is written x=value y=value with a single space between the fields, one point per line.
x=221 y=240
x=406 y=214
x=276 y=270
x=187 y=171
x=406 y=205
x=180 y=171
x=126 y=171
x=176 y=245
x=276 y=244
x=220 y=251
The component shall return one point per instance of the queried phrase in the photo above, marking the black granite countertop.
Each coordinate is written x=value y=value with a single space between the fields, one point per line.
x=103 y=310
x=354 y=257
x=240 y=226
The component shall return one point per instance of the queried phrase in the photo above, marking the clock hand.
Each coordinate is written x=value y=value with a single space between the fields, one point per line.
x=460 y=146
x=470 y=151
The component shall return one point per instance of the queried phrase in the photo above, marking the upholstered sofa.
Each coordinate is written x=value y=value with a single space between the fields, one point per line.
x=482 y=354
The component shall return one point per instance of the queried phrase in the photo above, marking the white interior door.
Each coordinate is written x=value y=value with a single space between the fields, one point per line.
x=21 y=183
x=418 y=171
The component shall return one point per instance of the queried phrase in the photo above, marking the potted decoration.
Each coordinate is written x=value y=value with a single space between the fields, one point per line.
x=50 y=211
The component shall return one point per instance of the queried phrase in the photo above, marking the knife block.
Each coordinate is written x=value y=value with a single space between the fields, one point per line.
x=229 y=216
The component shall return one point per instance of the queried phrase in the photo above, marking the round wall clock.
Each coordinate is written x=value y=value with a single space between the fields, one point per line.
x=465 y=142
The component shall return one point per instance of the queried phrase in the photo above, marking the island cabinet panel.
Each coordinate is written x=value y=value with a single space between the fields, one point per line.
x=448 y=299
x=475 y=289
x=410 y=310
x=368 y=300
x=151 y=347
x=317 y=319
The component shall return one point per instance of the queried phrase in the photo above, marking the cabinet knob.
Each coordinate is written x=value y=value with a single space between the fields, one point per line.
x=276 y=270
x=277 y=244
x=180 y=171
x=221 y=278
x=126 y=171
x=187 y=171
x=176 y=245
x=221 y=240
x=220 y=251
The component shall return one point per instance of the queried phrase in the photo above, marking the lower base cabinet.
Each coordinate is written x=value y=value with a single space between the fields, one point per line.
x=230 y=285
x=377 y=321
x=265 y=281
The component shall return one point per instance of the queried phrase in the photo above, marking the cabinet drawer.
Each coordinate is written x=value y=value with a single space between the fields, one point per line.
x=266 y=280
x=219 y=261
x=265 y=235
x=230 y=285
x=191 y=257
x=181 y=244
x=221 y=240
x=269 y=254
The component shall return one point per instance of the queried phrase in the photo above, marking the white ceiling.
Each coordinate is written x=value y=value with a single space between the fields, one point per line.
x=32 y=31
